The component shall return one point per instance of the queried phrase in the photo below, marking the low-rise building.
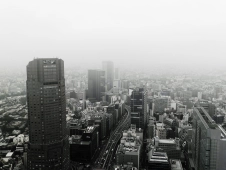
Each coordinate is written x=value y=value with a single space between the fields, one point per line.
x=129 y=150
x=170 y=146
x=158 y=160
x=176 y=164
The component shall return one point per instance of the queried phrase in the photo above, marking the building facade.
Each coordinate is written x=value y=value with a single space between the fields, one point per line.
x=48 y=138
x=108 y=67
x=208 y=146
x=96 y=85
x=138 y=104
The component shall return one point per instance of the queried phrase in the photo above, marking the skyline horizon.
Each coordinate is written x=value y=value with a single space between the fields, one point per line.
x=129 y=33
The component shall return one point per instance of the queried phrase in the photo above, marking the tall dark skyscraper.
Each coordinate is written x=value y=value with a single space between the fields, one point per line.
x=138 y=105
x=96 y=84
x=48 y=138
x=108 y=67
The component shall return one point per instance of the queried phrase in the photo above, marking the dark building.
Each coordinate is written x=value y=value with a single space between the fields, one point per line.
x=121 y=109
x=99 y=119
x=179 y=115
x=219 y=119
x=151 y=130
x=108 y=67
x=170 y=134
x=76 y=127
x=83 y=147
x=96 y=85
x=138 y=103
x=48 y=138
x=158 y=160
x=111 y=110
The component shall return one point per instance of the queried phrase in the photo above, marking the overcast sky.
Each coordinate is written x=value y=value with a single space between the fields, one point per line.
x=128 y=32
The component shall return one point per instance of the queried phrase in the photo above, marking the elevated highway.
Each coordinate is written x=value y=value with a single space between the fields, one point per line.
x=107 y=153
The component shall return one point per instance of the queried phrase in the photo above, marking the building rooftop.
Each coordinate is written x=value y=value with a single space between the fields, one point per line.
x=85 y=142
x=89 y=129
x=167 y=141
x=9 y=154
x=158 y=157
x=223 y=132
x=122 y=149
x=205 y=118
x=176 y=164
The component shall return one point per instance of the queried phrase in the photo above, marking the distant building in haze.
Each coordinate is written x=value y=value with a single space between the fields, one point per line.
x=108 y=67
x=117 y=74
x=96 y=84
x=161 y=103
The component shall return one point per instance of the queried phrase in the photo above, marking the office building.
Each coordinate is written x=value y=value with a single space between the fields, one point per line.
x=83 y=147
x=96 y=85
x=161 y=131
x=48 y=138
x=170 y=146
x=129 y=149
x=208 y=142
x=117 y=74
x=208 y=106
x=138 y=103
x=98 y=118
x=151 y=131
x=158 y=160
x=111 y=110
x=108 y=67
x=219 y=119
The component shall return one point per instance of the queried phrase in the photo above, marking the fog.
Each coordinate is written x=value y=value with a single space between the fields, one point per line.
x=135 y=34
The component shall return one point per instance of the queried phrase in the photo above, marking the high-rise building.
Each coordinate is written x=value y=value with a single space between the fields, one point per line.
x=208 y=146
x=108 y=67
x=48 y=138
x=96 y=84
x=117 y=74
x=138 y=103
x=151 y=130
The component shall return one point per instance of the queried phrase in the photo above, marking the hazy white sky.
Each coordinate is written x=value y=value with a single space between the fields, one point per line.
x=128 y=32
